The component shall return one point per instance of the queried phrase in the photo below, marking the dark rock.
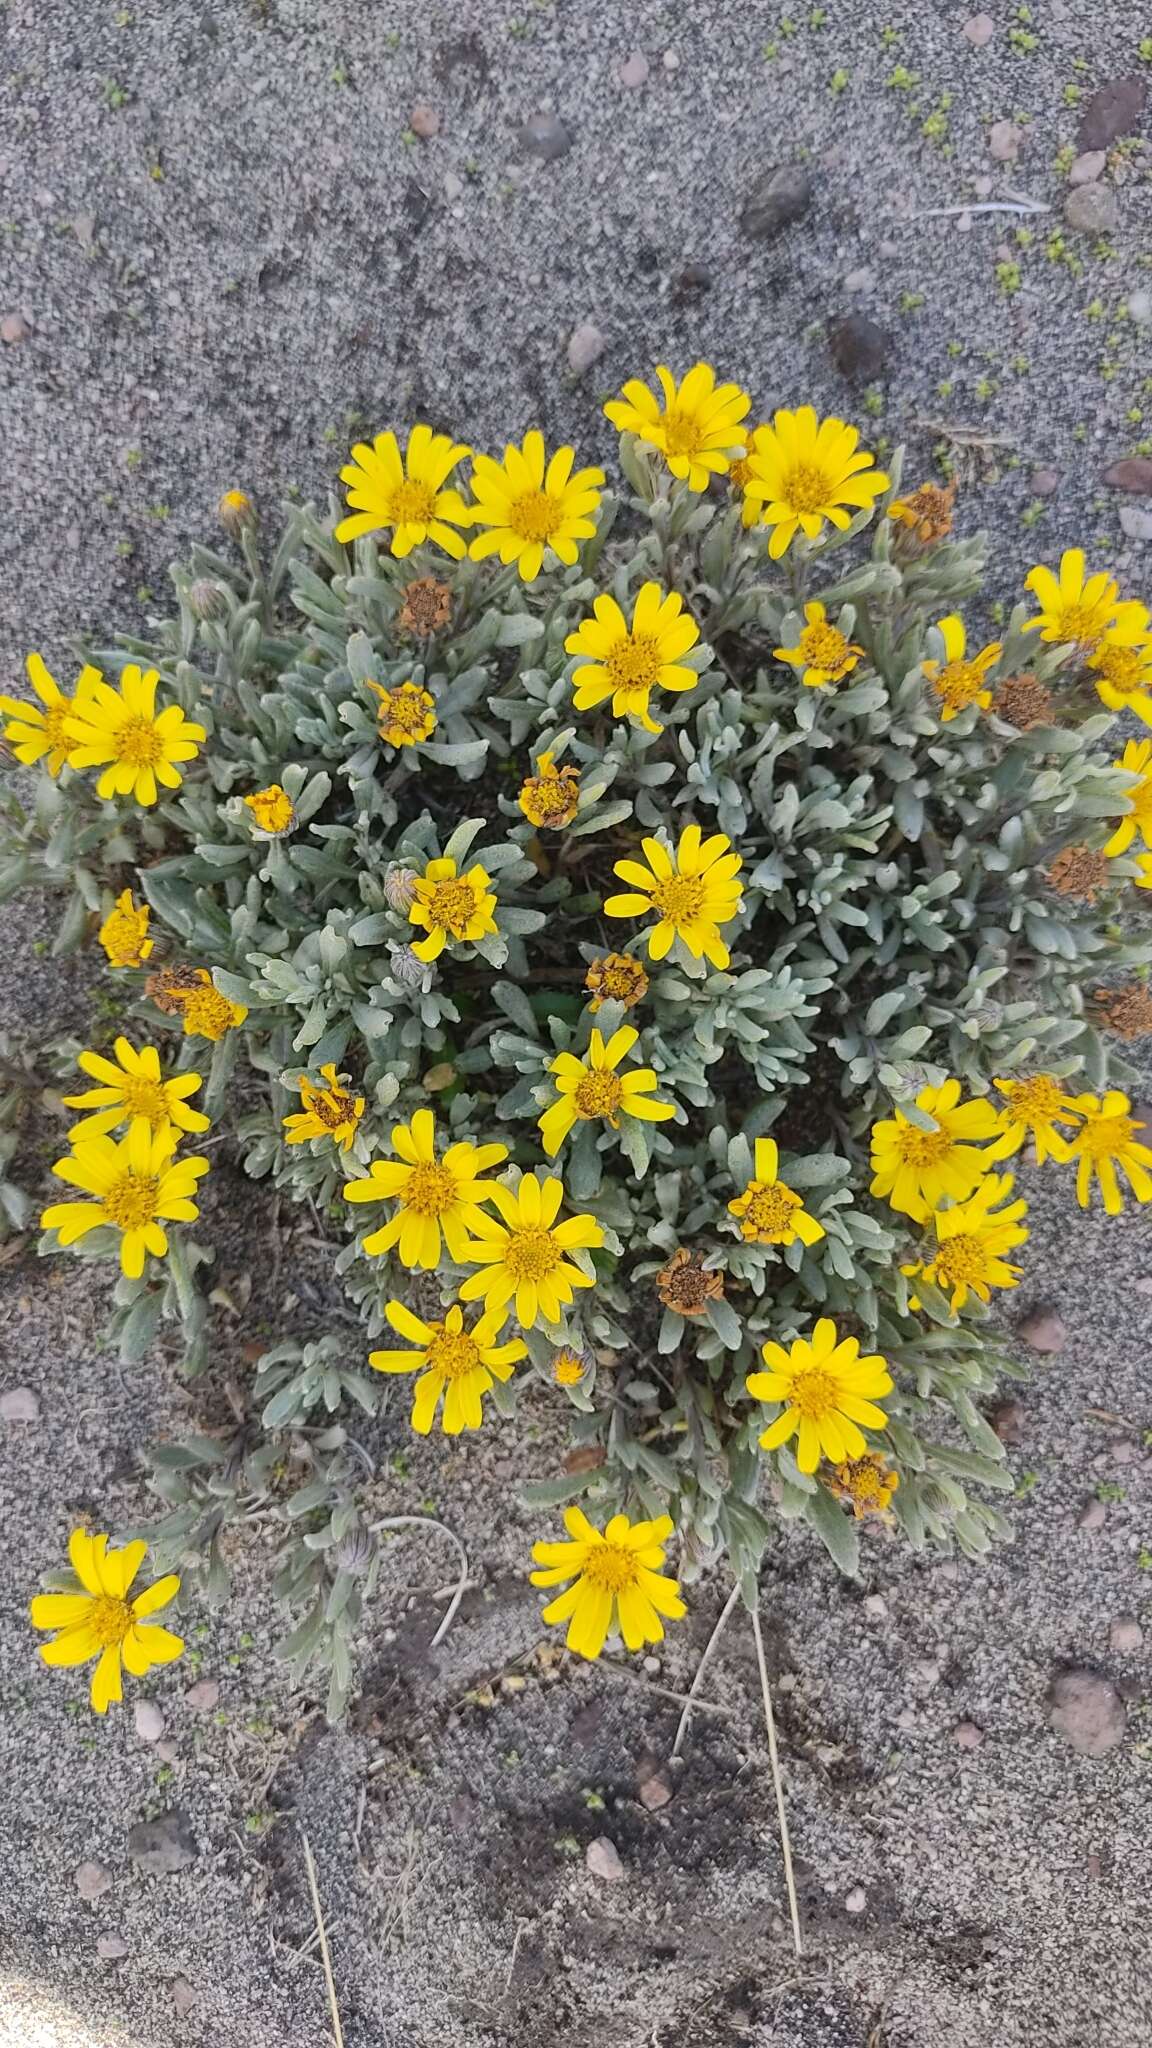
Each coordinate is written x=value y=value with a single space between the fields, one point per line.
x=1008 y=1422
x=779 y=197
x=1092 y=209
x=695 y=277
x=1113 y=111
x=163 y=1846
x=1087 y=1711
x=859 y=348
x=545 y=136
x=1133 y=473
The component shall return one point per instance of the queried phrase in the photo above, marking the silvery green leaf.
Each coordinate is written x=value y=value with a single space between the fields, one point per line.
x=837 y=1531
x=517 y=629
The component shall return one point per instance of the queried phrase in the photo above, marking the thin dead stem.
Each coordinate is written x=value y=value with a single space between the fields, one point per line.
x=777 y=1782
x=701 y=1668
x=333 y=2005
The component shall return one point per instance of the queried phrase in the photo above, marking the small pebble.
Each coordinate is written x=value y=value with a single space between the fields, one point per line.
x=1093 y=1515
x=203 y=1696
x=1087 y=1711
x=861 y=280
x=1140 y=307
x=19 y=1404
x=633 y=73
x=603 y=1860
x=1045 y=483
x=1008 y=1422
x=1045 y=1331
x=858 y=347
x=453 y=186
x=92 y=1880
x=111 y=1947
x=671 y=60
x=653 y=1666
x=906 y=1718
x=14 y=327
x=1004 y=139
x=982 y=186
x=1092 y=209
x=1126 y=1634
x=1114 y=110
x=979 y=29
x=167 y=1750
x=856 y=1900
x=927 y=1673
x=586 y=345
x=1133 y=473
x=149 y=1721
x=183 y=1996
x=966 y=1735
x=1089 y=167
x=1124 y=1453
x=1136 y=522
x=545 y=136
x=876 y=1607
x=424 y=122
x=655 y=1792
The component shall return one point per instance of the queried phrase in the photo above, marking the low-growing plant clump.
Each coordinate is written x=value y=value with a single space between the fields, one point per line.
x=648 y=930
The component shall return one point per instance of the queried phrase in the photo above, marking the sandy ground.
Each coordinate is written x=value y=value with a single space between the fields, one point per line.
x=222 y=249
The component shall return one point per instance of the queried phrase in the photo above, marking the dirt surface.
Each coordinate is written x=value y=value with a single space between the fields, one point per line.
x=222 y=250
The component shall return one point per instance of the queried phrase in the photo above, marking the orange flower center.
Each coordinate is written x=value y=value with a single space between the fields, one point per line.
x=1124 y=667
x=680 y=898
x=1105 y=1137
x=634 y=662
x=813 y=1393
x=123 y=933
x=333 y=1108
x=599 y=1094
x=922 y=1148
x=959 y=683
x=961 y=1258
x=617 y=977
x=430 y=1189
x=611 y=1567
x=455 y=1354
x=109 y=1621
x=207 y=1013
x=823 y=646
x=407 y=707
x=138 y=742
x=412 y=504
x=452 y=906
x=1036 y=1100
x=682 y=433
x=535 y=516
x=131 y=1201
x=806 y=488
x=567 y=1369
x=770 y=1210
x=532 y=1254
x=1085 y=623
x=142 y=1097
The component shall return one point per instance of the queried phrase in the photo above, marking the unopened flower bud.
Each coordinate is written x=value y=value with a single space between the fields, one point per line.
x=406 y=968
x=236 y=513
x=355 y=1551
x=400 y=888
x=207 y=600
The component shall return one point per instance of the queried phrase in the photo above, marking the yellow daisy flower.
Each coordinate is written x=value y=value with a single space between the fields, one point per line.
x=451 y=906
x=131 y=1089
x=1123 y=675
x=627 y=662
x=455 y=1364
x=1105 y=1141
x=124 y=932
x=805 y=471
x=135 y=1184
x=551 y=797
x=527 y=509
x=770 y=1212
x=691 y=895
x=101 y=1621
x=406 y=715
x=915 y=1170
x=327 y=1112
x=960 y=680
x=971 y=1240
x=121 y=728
x=522 y=1259
x=826 y=1387
x=1137 y=759
x=435 y=1197
x=1078 y=610
x=1033 y=1109
x=926 y=512
x=617 y=1582
x=823 y=653
x=409 y=494
x=591 y=1089
x=206 y=1011
x=615 y=978
x=867 y=1482
x=45 y=735
x=697 y=428
x=273 y=810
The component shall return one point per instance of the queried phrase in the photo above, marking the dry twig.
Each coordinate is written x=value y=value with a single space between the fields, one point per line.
x=333 y=2006
x=777 y=1782
x=701 y=1668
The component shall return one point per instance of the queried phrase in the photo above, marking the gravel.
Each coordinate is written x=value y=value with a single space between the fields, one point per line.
x=223 y=255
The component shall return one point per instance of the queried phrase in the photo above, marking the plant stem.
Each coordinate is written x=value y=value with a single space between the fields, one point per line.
x=777 y=1782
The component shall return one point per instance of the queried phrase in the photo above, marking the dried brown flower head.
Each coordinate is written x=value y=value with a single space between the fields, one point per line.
x=616 y=978
x=1127 y=1011
x=867 y=1482
x=926 y=514
x=1079 y=871
x=1023 y=701
x=684 y=1285
x=426 y=609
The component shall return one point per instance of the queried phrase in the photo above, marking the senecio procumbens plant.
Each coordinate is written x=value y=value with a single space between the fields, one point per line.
x=649 y=930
